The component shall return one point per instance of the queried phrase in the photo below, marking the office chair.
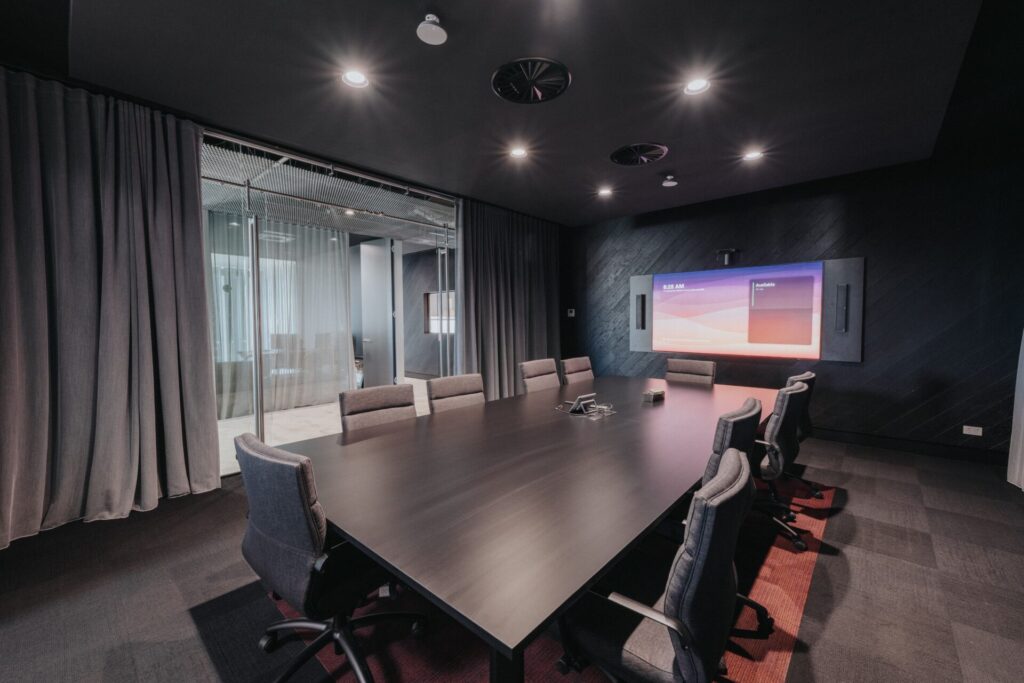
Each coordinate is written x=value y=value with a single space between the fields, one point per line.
x=446 y=393
x=680 y=636
x=375 y=406
x=778 y=449
x=577 y=369
x=536 y=375
x=691 y=371
x=805 y=428
x=286 y=544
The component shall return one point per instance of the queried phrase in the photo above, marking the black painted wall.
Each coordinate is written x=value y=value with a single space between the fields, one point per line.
x=944 y=292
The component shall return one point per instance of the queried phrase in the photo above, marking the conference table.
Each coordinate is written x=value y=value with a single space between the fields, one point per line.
x=503 y=514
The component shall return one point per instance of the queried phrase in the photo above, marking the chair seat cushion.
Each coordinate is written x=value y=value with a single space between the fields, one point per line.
x=625 y=644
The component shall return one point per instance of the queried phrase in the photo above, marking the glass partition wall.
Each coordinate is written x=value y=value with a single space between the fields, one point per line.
x=284 y=237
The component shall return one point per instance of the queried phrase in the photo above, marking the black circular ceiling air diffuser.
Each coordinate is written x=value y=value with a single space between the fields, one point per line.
x=639 y=154
x=531 y=80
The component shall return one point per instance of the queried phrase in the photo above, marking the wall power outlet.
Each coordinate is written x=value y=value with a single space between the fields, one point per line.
x=973 y=431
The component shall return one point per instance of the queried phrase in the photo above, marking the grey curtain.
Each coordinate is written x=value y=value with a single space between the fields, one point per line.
x=105 y=361
x=510 y=292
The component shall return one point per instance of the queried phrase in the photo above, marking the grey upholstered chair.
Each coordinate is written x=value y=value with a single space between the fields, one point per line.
x=577 y=369
x=286 y=544
x=690 y=371
x=445 y=393
x=779 y=448
x=680 y=636
x=375 y=406
x=535 y=375
x=805 y=428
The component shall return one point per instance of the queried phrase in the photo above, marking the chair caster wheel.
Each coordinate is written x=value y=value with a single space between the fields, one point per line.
x=817 y=494
x=799 y=544
x=419 y=628
x=791 y=516
x=562 y=667
x=269 y=643
x=568 y=664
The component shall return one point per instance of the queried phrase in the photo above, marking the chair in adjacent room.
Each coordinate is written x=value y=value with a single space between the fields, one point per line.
x=446 y=393
x=690 y=371
x=536 y=375
x=376 y=405
x=805 y=428
x=287 y=544
x=682 y=633
x=777 y=451
x=577 y=369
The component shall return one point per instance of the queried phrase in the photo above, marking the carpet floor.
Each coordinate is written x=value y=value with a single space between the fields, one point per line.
x=918 y=576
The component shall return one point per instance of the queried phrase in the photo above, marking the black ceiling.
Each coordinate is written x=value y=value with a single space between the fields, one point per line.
x=826 y=88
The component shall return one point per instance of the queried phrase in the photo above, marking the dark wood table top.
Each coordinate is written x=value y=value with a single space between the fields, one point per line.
x=505 y=512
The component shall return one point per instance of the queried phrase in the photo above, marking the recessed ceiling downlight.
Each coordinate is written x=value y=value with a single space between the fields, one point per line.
x=518 y=153
x=697 y=86
x=350 y=212
x=639 y=154
x=431 y=32
x=753 y=155
x=355 y=79
x=604 y=191
x=531 y=80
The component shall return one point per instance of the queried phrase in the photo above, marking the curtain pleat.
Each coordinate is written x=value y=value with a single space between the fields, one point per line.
x=511 y=296
x=105 y=352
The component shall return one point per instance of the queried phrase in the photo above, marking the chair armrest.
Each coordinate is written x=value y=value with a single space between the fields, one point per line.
x=671 y=623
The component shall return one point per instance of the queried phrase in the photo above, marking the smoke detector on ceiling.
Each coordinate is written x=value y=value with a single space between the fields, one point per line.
x=431 y=32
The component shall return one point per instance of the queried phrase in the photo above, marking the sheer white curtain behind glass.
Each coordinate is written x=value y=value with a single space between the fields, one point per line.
x=307 y=340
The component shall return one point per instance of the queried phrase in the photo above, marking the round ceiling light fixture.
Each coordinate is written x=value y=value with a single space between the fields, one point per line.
x=518 y=153
x=350 y=212
x=753 y=155
x=639 y=154
x=431 y=32
x=604 y=191
x=669 y=181
x=355 y=79
x=697 y=86
x=530 y=80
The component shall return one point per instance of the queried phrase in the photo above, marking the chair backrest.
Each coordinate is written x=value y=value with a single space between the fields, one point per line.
x=376 y=405
x=737 y=429
x=535 y=375
x=781 y=430
x=691 y=371
x=701 y=589
x=286 y=529
x=808 y=378
x=445 y=393
x=577 y=369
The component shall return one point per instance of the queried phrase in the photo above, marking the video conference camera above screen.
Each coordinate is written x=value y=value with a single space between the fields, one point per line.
x=768 y=311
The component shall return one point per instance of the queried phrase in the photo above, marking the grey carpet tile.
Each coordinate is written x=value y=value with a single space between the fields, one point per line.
x=983 y=532
x=824 y=454
x=898 y=491
x=878 y=537
x=958 y=469
x=988 y=658
x=975 y=486
x=881 y=469
x=950 y=500
x=905 y=513
x=994 y=609
x=867 y=657
x=977 y=563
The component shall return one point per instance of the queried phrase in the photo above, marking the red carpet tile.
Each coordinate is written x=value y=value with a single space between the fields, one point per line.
x=449 y=652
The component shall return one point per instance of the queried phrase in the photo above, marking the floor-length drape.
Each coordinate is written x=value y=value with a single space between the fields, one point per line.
x=107 y=400
x=510 y=279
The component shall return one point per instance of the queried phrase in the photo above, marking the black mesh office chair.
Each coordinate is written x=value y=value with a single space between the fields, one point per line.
x=680 y=636
x=805 y=427
x=778 y=450
x=286 y=544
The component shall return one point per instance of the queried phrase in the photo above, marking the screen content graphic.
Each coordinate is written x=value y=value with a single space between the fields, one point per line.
x=772 y=311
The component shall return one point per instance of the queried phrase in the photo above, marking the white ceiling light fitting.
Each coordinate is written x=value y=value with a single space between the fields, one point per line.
x=431 y=32
x=604 y=192
x=518 y=153
x=669 y=181
x=697 y=86
x=355 y=79
x=753 y=155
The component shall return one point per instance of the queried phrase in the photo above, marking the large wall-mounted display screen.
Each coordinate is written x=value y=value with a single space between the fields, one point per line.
x=772 y=311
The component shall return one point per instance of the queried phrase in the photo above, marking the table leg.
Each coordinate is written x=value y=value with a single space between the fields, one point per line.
x=505 y=669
